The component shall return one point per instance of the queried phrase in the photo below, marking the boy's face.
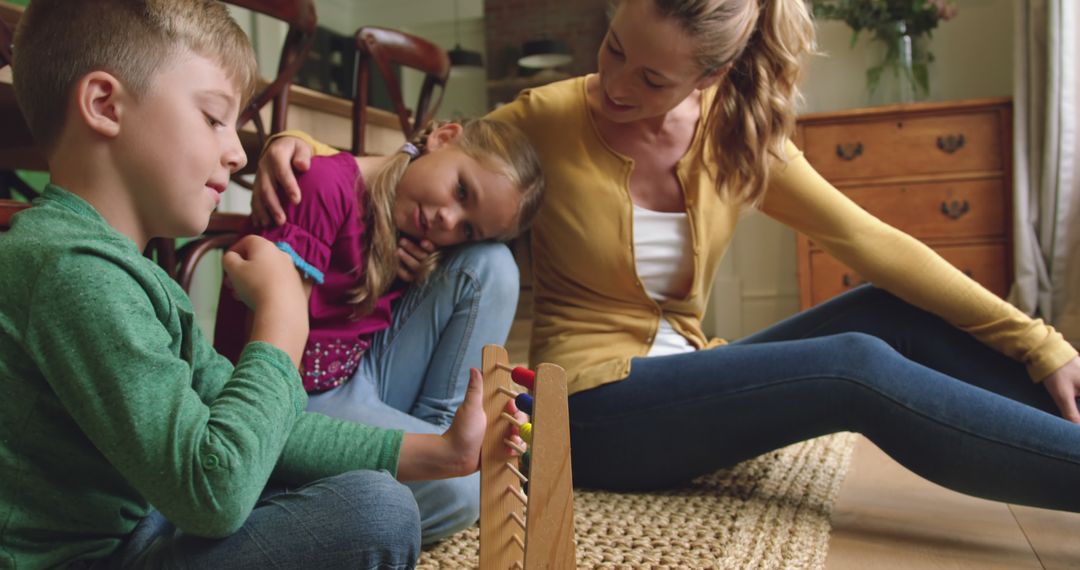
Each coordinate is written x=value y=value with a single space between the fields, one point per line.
x=178 y=146
x=448 y=197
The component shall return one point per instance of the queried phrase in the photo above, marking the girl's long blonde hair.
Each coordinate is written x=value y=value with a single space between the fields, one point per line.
x=760 y=42
x=495 y=145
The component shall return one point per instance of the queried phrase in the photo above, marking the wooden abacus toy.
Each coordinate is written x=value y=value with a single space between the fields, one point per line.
x=537 y=528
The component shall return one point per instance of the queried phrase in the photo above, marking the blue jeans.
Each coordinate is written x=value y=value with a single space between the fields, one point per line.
x=929 y=395
x=415 y=373
x=360 y=519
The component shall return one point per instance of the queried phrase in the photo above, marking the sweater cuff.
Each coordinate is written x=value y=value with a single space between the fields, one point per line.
x=317 y=148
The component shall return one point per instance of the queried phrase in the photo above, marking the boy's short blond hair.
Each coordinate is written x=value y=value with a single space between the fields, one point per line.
x=58 y=42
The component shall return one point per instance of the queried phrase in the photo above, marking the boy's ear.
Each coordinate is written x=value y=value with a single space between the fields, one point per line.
x=99 y=100
x=443 y=135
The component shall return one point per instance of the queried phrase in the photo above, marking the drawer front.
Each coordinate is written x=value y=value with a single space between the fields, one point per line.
x=905 y=146
x=986 y=264
x=972 y=208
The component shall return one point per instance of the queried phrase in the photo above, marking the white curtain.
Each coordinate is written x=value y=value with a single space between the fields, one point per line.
x=1046 y=117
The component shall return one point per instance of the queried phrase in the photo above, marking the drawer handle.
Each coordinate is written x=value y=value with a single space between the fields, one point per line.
x=955 y=210
x=950 y=143
x=848 y=151
x=849 y=282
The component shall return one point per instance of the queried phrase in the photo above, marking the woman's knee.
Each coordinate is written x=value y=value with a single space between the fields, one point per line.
x=447 y=506
x=860 y=352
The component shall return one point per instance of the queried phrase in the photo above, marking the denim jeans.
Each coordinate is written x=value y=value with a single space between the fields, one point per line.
x=931 y=396
x=360 y=519
x=415 y=373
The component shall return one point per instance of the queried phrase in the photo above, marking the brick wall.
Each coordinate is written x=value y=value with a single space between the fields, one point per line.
x=581 y=24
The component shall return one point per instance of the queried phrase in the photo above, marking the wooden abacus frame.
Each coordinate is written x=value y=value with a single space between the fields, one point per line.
x=543 y=534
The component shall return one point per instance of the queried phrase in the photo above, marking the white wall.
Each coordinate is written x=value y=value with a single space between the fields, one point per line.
x=757 y=284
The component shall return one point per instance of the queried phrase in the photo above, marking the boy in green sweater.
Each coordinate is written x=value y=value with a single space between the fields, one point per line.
x=125 y=440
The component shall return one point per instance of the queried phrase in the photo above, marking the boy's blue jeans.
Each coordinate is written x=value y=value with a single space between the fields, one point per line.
x=415 y=373
x=360 y=519
x=931 y=396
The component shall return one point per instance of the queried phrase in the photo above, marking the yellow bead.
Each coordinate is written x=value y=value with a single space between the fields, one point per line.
x=526 y=432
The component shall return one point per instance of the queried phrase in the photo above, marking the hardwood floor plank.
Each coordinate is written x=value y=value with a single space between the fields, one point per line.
x=1052 y=534
x=888 y=517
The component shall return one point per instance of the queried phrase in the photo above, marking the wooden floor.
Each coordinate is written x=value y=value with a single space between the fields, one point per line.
x=888 y=517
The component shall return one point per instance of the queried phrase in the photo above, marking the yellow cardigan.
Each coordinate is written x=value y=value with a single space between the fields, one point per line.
x=591 y=313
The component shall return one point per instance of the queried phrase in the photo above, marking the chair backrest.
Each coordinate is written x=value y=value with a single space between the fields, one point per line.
x=7 y=37
x=9 y=208
x=301 y=19
x=223 y=231
x=382 y=49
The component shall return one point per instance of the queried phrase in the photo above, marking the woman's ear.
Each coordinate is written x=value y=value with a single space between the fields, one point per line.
x=713 y=77
x=99 y=100
x=443 y=135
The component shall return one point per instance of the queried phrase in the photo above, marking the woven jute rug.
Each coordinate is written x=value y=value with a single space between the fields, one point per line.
x=769 y=512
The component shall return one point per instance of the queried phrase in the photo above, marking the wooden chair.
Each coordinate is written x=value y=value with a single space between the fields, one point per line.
x=383 y=49
x=10 y=182
x=223 y=231
x=301 y=19
x=9 y=208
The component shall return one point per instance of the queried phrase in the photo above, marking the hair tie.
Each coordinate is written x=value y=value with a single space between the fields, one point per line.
x=411 y=150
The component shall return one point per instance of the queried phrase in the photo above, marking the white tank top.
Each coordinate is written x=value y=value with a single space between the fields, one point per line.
x=665 y=266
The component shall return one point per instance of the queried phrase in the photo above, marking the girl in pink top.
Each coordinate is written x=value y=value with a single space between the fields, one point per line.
x=384 y=352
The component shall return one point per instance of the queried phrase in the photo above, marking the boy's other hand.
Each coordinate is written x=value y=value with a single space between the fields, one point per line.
x=276 y=171
x=410 y=256
x=262 y=274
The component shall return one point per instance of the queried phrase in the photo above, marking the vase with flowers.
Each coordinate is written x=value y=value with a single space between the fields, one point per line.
x=901 y=29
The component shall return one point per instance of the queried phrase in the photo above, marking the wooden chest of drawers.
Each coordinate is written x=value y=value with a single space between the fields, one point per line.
x=940 y=172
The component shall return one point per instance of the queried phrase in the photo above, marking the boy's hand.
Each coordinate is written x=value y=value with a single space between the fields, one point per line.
x=457 y=451
x=264 y=278
x=261 y=274
x=276 y=171
x=410 y=256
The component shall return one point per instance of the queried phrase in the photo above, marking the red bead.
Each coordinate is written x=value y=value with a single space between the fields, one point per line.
x=524 y=377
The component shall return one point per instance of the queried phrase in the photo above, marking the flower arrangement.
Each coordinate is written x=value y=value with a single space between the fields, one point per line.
x=901 y=25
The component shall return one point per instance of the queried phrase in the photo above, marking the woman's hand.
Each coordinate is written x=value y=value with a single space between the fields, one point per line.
x=276 y=171
x=410 y=256
x=1064 y=387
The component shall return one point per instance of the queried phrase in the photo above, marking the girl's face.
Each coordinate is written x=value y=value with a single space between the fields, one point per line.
x=448 y=197
x=646 y=66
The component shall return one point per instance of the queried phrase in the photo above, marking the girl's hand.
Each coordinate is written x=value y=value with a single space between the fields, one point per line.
x=276 y=171
x=410 y=256
x=1064 y=387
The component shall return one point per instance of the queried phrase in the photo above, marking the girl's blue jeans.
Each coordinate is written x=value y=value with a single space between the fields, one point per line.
x=415 y=373
x=931 y=396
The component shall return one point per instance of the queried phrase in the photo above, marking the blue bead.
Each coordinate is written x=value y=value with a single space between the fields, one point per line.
x=524 y=402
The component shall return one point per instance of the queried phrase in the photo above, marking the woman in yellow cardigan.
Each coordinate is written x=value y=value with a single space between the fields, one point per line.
x=649 y=163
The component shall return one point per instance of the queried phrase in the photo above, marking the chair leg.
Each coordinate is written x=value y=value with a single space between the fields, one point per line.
x=11 y=183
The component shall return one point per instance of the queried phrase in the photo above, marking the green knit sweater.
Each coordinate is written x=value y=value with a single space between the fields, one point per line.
x=113 y=401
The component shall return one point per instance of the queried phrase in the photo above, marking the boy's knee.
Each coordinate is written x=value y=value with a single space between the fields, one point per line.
x=381 y=516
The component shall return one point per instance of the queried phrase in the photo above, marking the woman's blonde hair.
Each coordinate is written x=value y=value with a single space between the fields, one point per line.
x=760 y=43
x=497 y=146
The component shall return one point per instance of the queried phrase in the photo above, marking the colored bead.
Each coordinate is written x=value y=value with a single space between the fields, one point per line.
x=526 y=432
x=524 y=377
x=524 y=402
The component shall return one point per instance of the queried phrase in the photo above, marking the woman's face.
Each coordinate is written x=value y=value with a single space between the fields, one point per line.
x=646 y=65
